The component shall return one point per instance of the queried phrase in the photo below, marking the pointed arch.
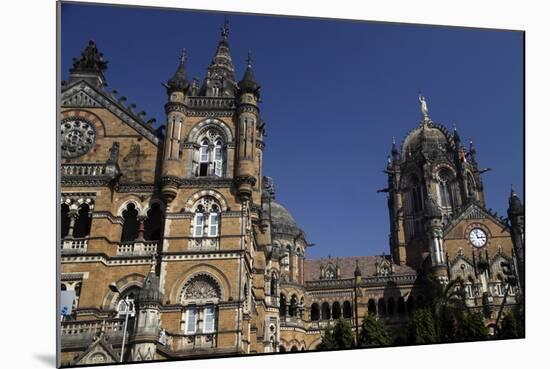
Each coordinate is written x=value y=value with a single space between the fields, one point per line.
x=211 y=123
x=191 y=200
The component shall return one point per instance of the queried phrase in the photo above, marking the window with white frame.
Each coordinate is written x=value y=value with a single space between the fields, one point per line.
x=191 y=320
x=206 y=220
x=200 y=297
x=209 y=319
x=211 y=154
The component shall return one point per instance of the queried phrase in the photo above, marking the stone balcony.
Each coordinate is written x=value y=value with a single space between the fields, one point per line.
x=88 y=173
x=137 y=248
x=74 y=246
x=76 y=332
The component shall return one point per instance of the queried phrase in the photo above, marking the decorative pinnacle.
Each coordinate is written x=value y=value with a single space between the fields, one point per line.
x=249 y=59
x=225 y=28
x=183 y=56
x=393 y=140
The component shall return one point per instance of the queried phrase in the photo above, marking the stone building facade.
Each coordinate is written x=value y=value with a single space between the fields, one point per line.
x=179 y=224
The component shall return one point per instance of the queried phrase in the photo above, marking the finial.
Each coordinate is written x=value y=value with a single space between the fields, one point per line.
x=423 y=106
x=393 y=140
x=183 y=56
x=225 y=28
x=249 y=59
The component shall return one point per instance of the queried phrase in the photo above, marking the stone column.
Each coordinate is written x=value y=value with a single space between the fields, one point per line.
x=73 y=216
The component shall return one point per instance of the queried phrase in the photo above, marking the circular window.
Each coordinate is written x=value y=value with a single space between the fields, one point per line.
x=77 y=137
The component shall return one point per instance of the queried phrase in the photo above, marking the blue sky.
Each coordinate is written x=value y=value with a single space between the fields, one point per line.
x=334 y=93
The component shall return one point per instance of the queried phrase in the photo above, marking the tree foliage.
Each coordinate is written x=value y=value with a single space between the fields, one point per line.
x=511 y=327
x=471 y=327
x=338 y=337
x=327 y=341
x=421 y=327
x=373 y=333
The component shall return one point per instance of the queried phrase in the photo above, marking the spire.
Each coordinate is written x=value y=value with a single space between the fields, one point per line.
x=248 y=84
x=225 y=29
x=472 y=152
x=515 y=206
x=90 y=66
x=179 y=81
x=456 y=137
x=150 y=292
x=220 y=76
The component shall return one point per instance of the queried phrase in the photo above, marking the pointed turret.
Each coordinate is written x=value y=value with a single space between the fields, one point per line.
x=90 y=66
x=248 y=84
x=179 y=81
x=515 y=206
x=220 y=76
x=473 y=152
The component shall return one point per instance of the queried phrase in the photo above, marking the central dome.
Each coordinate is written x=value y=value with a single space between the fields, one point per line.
x=282 y=221
x=432 y=134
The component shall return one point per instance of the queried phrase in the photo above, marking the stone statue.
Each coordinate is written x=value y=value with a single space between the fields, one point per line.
x=423 y=106
x=113 y=153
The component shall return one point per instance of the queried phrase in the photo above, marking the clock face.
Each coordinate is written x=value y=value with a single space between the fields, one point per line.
x=478 y=238
x=77 y=137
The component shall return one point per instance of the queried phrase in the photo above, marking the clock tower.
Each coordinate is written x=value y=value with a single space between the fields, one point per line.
x=438 y=219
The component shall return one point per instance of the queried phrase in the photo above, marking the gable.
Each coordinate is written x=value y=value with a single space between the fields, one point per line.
x=98 y=352
x=83 y=95
x=473 y=213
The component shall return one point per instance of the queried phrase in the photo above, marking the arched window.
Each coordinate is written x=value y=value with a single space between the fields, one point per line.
x=125 y=305
x=371 y=306
x=391 y=306
x=200 y=297
x=444 y=188
x=325 y=311
x=153 y=223
x=64 y=220
x=416 y=195
x=294 y=349
x=211 y=154
x=336 y=312
x=401 y=309
x=346 y=311
x=83 y=222
x=282 y=348
x=282 y=305
x=131 y=223
x=381 y=307
x=314 y=312
x=293 y=305
x=206 y=221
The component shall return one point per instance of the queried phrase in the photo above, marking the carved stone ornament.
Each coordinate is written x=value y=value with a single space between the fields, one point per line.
x=77 y=137
x=201 y=288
